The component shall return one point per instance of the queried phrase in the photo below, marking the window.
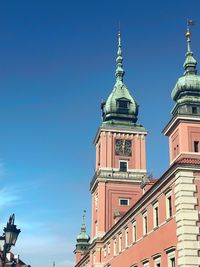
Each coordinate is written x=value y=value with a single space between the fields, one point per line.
x=120 y=242
x=123 y=166
x=172 y=262
x=134 y=231
x=99 y=155
x=115 y=247
x=126 y=237
x=96 y=228
x=104 y=251
x=145 y=224
x=194 y=110
x=155 y=215
x=108 y=248
x=124 y=202
x=169 y=205
x=157 y=260
x=196 y=146
x=96 y=201
x=171 y=258
x=146 y=264
x=94 y=257
x=122 y=104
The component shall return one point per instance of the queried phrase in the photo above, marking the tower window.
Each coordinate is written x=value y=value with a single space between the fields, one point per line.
x=123 y=166
x=122 y=104
x=196 y=146
x=194 y=110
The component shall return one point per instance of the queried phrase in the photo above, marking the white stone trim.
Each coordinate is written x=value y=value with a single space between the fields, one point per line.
x=186 y=220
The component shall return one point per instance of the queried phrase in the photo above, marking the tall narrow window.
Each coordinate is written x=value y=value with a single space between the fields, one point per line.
x=145 y=224
x=134 y=231
x=171 y=258
x=169 y=205
x=172 y=262
x=120 y=242
x=115 y=247
x=155 y=215
x=196 y=146
x=104 y=249
x=126 y=237
x=108 y=248
x=96 y=228
x=99 y=155
x=174 y=151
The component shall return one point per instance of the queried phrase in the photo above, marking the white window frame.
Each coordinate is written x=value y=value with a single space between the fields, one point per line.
x=126 y=163
x=114 y=247
x=155 y=206
x=120 y=242
x=126 y=237
x=167 y=196
x=145 y=223
x=157 y=260
x=171 y=255
x=134 y=232
x=94 y=257
x=109 y=248
x=146 y=264
x=96 y=228
x=123 y=198
x=104 y=251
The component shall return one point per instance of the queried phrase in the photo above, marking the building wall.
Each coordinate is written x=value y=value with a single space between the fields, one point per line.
x=105 y=151
x=182 y=138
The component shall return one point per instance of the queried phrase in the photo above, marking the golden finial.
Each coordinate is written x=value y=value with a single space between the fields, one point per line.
x=188 y=33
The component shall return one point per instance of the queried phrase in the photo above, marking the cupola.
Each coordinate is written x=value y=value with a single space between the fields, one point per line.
x=120 y=107
x=186 y=92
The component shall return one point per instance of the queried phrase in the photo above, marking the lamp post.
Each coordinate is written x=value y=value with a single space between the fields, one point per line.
x=9 y=238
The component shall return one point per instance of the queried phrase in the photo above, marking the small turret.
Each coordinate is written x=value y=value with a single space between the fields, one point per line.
x=186 y=92
x=82 y=241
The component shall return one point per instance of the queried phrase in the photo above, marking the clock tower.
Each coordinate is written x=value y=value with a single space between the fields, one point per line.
x=120 y=156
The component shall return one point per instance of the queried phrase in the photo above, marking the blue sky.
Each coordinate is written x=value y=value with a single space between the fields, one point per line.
x=57 y=62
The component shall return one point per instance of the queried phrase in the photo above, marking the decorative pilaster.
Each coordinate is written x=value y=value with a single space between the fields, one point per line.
x=186 y=220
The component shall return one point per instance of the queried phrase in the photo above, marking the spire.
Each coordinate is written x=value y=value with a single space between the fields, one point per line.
x=190 y=62
x=119 y=73
x=83 y=227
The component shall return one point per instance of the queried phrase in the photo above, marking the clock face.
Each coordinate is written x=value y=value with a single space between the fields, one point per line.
x=123 y=147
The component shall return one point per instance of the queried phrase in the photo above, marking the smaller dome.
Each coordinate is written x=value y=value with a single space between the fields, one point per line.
x=120 y=105
x=83 y=238
x=186 y=84
x=187 y=88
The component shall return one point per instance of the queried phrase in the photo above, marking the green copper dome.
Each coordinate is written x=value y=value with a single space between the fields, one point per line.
x=120 y=106
x=186 y=92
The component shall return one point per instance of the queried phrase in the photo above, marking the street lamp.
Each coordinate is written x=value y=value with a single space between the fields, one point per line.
x=9 y=238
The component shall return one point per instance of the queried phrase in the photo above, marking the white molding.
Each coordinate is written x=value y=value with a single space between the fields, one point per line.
x=186 y=220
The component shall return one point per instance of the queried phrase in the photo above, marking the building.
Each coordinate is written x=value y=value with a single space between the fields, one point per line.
x=137 y=220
